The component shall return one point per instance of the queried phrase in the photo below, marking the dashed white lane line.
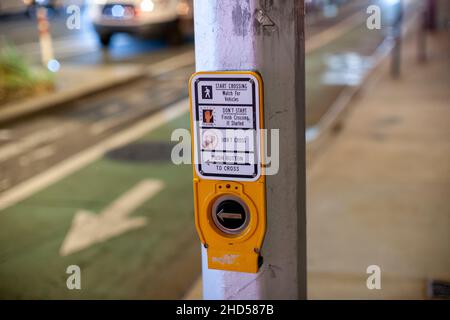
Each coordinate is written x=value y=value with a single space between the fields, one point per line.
x=101 y=126
x=330 y=34
x=167 y=65
x=111 y=109
x=4 y=184
x=104 y=125
x=37 y=155
x=5 y=134
x=80 y=160
x=64 y=47
x=33 y=140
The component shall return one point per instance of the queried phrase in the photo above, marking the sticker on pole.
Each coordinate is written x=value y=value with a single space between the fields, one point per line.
x=226 y=115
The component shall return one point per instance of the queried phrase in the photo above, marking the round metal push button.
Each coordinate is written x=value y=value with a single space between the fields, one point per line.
x=230 y=214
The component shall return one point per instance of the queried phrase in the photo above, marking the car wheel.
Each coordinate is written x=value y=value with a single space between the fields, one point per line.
x=105 y=39
x=175 y=36
x=30 y=12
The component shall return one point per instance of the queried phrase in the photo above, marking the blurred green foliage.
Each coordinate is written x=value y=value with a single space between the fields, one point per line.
x=18 y=79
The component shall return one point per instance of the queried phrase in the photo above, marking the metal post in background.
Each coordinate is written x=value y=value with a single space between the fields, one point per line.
x=397 y=35
x=431 y=15
x=422 y=35
x=268 y=37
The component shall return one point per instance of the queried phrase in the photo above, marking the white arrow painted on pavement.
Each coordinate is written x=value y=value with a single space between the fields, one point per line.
x=89 y=228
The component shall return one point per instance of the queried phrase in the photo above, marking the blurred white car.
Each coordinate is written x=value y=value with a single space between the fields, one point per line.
x=147 y=18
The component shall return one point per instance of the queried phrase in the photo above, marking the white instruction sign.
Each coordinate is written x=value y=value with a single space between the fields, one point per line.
x=226 y=123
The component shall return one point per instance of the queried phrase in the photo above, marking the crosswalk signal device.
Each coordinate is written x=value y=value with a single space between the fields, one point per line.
x=229 y=182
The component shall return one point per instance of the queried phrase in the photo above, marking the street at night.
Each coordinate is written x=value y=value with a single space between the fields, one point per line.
x=91 y=111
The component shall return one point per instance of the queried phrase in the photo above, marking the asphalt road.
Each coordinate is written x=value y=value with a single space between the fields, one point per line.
x=48 y=138
x=82 y=46
x=78 y=45
x=35 y=144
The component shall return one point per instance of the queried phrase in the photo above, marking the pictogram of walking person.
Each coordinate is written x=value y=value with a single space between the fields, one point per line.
x=207 y=92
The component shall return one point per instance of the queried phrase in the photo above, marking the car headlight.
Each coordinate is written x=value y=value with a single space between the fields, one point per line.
x=147 y=5
x=99 y=2
x=183 y=8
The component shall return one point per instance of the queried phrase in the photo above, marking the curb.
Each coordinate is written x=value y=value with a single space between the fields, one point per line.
x=16 y=110
x=332 y=121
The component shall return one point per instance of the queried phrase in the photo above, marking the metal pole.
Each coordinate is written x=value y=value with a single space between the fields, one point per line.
x=431 y=23
x=422 y=36
x=396 y=52
x=266 y=36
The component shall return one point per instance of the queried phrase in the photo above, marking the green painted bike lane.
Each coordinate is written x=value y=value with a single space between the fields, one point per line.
x=158 y=260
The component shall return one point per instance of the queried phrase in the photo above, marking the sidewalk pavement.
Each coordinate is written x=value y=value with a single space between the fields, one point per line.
x=73 y=81
x=379 y=193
